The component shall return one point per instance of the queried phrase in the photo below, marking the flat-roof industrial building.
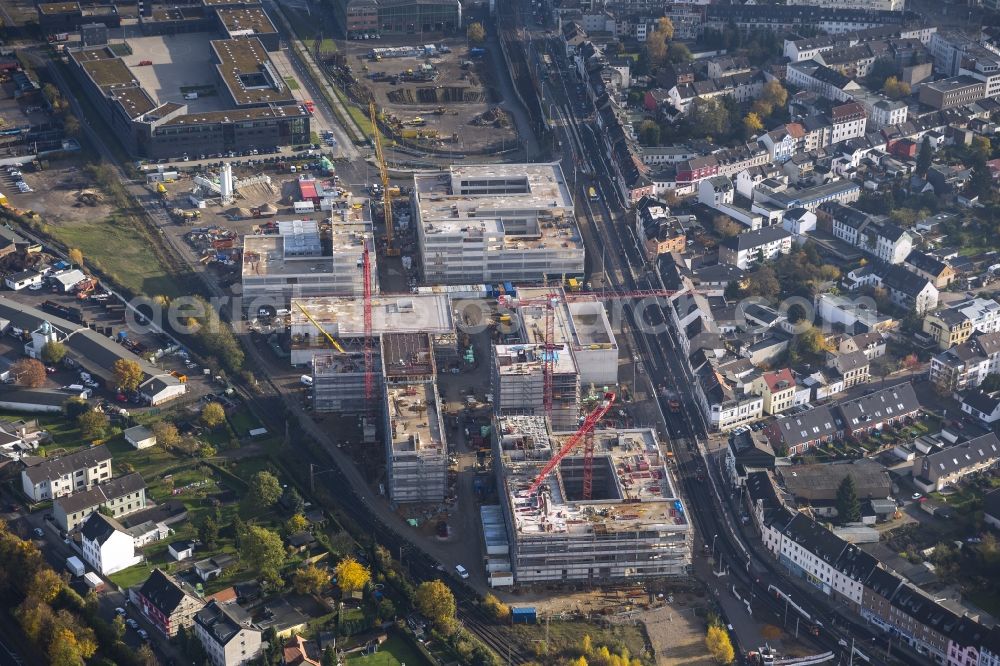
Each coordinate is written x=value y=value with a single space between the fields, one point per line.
x=488 y=223
x=177 y=92
x=634 y=526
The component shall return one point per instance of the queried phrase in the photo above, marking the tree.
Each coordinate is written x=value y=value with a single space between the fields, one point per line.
x=764 y=283
x=649 y=133
x=263 y=550
x=213 y=415
x=265 y=489
x=587 y=645
x=848 y=505
x=71 y=125
x=147 y=657
x=752 y=124
x=92 y=424
x=895 y=89
x=678 y=53
x=579 y=661
x=46 y=585
x=436 y=602
x=811 y=341
x=981 y=145
x=710 y=117
x=118 y=627
x=351 y=575
x=294 y=499
x=166 y=433
x=296 y=523
x=75 y=256
x=29 y=372
x=496 y=609
x=311 y=580
x=330 y=657
x=657 y=41
x=476 y=33
x=73 y=407
x=912 y=362
x=981 y=180
x=53 y=352
x=718 y=643
x=208 y=531
x=64 y=650
x=925 y=156
x=128 y=374
x=774 y=94
x=726 y=226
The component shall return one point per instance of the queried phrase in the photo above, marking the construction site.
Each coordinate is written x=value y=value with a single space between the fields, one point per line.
x=489 y=223
x=594 y=506
x=530 y=379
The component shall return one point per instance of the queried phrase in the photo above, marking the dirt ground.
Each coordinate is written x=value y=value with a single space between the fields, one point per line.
x=459 y=92
x=62 y=194
x=677 y=636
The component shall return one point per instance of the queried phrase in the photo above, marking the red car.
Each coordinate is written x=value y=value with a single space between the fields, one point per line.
x=674 y=406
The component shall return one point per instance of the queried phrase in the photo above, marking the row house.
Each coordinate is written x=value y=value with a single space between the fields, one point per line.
x=871 y=344
x=740 y=158
x=167 y=604
x=940 y=273
x=851 y=368
x=721 y=398
x=810 y=551
x=658 y=231
x=782 y=143
x=966 y=365
x=949 y=466
x=778 y=390
x=907 y=291
x=117 y=497
x=805 y=430
x=797 y=50
x=820 y=79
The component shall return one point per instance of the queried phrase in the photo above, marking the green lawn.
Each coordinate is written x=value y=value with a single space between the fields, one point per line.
x=115 y=246
x=132 y=576
x=395 y=651
x=65 y=435
x=242 y=421
x=292 y=82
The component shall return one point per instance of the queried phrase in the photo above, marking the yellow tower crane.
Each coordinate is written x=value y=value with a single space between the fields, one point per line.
x=390 y=250
x=336 y=345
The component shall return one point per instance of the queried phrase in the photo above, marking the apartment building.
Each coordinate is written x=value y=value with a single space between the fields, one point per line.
x=938 y=272
x=753 y=247
x=949 y=93
x=777 y=389
x=118 y=497
x=226 y=633
x=876 y=236
x=488 y=223
x=106 y=546
x=51 y=478
x=958 y=322
x=810 y=551
x=166 y=603
x=966 y=365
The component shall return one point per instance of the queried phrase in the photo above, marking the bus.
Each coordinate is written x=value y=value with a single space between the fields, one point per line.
x=593 y=194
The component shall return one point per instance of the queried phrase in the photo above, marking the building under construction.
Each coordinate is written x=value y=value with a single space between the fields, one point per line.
x=493 y=222
x=343 y=318
x=518 y=383
x=634 y=526
x=293 y=263
x=415 y=446
x=581 y=323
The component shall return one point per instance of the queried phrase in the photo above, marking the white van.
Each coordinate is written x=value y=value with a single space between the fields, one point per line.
x=461 y=571
x=306 y=380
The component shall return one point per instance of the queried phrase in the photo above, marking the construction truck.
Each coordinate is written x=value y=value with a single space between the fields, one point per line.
x=161 y=191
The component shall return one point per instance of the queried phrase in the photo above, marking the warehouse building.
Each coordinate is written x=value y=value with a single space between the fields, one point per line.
x=635 y=526
x=518 y=383
x=581 y=323
x=496 y=222
x=343 y=318
x=293 y=263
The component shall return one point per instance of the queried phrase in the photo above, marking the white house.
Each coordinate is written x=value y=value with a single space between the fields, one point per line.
x=799 y=222
x=228 y=638
x=810 y=551
x=140 y=437
x=752 y=247
x=50 y=478
x=19 y=281
x=106 y=546
x=983 y=406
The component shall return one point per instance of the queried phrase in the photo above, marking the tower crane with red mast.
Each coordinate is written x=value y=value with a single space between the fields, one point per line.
x=367 y=307
x=588 y=427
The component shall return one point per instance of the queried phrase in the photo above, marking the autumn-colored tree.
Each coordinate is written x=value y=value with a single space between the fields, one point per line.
x=726 y=226
x=982 y=145
x=213 y=415
x=92 y=424
x=476 y=33
x=46 y=585
x=587 y=644
x=435 y=601
x=719 y=645
x=895 y=89
x=774 y=93
x=75 y=256
x=311 y=580
x=128 y=374
x=29 y=372
x=496 y=609
x=351 y=575
x=166 y=433
x=296 y=523
x=911 y=362
x=53 y=352
x=118 y=627
x=657 y=42
x=579 y=661
x=752 y=124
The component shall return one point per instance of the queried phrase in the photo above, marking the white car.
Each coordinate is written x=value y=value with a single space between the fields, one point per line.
x=463 y=574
